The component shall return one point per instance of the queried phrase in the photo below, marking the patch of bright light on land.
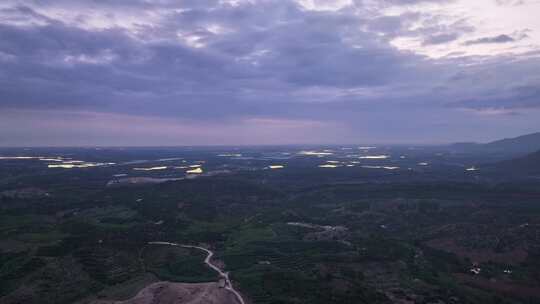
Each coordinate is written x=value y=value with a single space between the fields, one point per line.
x=195 y=171
x=150 y=168
x=374 y=157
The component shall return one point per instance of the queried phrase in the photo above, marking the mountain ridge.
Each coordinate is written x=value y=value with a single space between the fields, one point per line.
x=514 y=146
x=525 y=165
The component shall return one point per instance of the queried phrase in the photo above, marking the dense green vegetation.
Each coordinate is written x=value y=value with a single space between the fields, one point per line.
x=297 y=236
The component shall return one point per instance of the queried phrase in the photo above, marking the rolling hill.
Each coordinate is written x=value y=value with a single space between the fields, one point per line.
x=517 y=146
x=527 y=165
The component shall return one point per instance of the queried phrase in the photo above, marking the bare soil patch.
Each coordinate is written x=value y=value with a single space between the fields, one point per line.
x=515 y=256
x=499 y=286
x=179 y=293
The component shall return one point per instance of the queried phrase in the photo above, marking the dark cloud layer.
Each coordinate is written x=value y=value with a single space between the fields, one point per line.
x=495 y=39
x=223 y=62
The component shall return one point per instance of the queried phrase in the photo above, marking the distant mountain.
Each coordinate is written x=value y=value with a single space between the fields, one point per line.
x=521 y=145
x=526 y=165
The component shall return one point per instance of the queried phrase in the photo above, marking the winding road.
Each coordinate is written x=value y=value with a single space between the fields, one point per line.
x=208 y=261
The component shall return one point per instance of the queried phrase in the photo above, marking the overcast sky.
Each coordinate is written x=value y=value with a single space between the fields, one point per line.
x=200 y=72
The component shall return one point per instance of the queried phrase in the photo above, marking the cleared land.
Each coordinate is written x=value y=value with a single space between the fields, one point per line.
x=184 y=293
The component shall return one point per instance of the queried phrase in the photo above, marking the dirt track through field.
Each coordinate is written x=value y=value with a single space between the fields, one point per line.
x=208 y=261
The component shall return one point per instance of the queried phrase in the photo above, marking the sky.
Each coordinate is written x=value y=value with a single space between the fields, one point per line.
x=250 y=72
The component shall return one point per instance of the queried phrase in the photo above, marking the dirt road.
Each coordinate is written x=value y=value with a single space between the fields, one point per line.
x=208 y=261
